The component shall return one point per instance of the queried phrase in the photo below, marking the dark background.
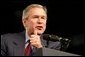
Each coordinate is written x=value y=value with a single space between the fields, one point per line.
x=65 y=19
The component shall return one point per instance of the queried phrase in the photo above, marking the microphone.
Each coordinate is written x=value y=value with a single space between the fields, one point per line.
x=53 y=37
x=64 y=41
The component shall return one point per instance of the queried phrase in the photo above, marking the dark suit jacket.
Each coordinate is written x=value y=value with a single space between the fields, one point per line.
x=14 y=44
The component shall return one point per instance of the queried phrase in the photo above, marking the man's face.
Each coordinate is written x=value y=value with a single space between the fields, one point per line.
x=36 y=21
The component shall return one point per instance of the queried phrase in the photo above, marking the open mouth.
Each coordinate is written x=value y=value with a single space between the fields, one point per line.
x=39 y=27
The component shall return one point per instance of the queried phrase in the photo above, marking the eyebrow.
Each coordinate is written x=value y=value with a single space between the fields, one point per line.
x=41 y=15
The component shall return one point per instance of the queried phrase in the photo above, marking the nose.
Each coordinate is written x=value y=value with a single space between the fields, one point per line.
x=39 y=21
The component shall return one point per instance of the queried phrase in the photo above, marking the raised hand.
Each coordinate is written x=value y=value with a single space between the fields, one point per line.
x=35 y=40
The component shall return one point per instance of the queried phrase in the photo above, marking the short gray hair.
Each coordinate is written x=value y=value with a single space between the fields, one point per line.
x=24 y=15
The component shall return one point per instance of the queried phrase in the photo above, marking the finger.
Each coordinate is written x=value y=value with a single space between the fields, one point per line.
x=35 y=32
x=32 y=39
x=32 y=36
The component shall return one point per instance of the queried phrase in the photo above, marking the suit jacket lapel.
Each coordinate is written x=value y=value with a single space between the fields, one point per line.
x=19 y=44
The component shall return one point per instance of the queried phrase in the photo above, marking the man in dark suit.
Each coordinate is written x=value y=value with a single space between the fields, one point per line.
x=34 y=21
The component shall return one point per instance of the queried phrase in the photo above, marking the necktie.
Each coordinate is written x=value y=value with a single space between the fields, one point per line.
x=28 y=50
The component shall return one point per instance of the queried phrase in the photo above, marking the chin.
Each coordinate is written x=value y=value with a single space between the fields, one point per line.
x=40 y=32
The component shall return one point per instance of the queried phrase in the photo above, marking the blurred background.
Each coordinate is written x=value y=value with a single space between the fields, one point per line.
x=65 y=19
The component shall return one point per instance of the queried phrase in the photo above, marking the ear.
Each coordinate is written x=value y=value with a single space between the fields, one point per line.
x=24 y=22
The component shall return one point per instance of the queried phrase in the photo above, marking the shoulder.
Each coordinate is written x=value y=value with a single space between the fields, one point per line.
x=49 y=43
x=54 y=45
x=8 y=36
x=11 y=35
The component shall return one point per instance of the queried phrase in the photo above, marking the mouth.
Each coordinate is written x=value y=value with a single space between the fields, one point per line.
x=39 y=27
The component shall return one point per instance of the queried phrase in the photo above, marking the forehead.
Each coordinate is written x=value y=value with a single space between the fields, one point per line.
x=36 y=11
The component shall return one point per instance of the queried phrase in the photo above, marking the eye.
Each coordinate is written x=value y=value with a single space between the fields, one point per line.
x=43 y=17
x=35 y=16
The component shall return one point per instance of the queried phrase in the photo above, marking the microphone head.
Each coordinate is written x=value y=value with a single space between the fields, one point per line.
x=50 y=37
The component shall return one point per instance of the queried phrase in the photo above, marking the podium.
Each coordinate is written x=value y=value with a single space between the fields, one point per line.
x=51 y=52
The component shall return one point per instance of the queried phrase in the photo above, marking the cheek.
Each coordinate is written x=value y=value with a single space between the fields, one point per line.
x=44 y=25
x=31 y=24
